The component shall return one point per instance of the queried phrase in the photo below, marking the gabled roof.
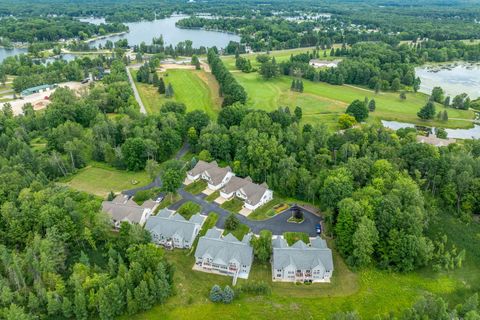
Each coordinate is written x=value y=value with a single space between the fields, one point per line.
x=217 y=174
x=214 y=233
x=201 y=166
x=223 y=250
x=168 y=226
x=254 y=192
x=150 y=204
x=301 y=256
x=234 y=184
x=121 y=212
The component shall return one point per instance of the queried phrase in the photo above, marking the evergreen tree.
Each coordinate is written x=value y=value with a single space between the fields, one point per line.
x=298 y=113
x=332 y=52
x=300 y=86
x=228 y=295
x=372 y=105
x=293 y=85
x=169 y=91
x=155 y=80
x=403 y=95
x=444 y=115
x=358 y=109
x=427 y=112
x=161 y=86
x=446 y=102
x=216 y=294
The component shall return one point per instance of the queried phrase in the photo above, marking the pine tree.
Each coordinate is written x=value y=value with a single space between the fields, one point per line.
x=372 y=105
x=293 y=85
x=228 y=295
x=332 y=52
x=427 y=112
x=216 y=294
x=444 y=115
x=300 y=86
x=169 y=91
x=155 y=80
x=325 y=53
x=161 y=86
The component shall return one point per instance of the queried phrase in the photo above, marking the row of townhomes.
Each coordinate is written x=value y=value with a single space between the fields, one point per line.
x=300 y=262
x=123 y=208
x=224 y=254
x=172 y=230
x=223 y=179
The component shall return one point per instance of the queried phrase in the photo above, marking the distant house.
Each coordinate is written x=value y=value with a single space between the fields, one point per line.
x=224 y=255
x=316 y=63
x=172 y=230
x=37 y=89
x=433 y=140
x=300 y=262
x=124 y=209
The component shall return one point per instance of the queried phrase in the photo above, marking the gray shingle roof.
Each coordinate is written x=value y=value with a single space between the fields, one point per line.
x=254 y=192
x=223 y=250
x=234 y=184
x=119 y=211
x=174 y=224
x=214 y=233
x=301 y=256
x=217 y=174
x=201 y=166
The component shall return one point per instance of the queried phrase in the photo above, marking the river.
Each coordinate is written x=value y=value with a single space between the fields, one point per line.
x=145 y=31
x=454 y=78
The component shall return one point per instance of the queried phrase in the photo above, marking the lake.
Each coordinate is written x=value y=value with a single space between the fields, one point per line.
x=145 y=31
x=452 y=133
x=4 y=52
x=454 y=78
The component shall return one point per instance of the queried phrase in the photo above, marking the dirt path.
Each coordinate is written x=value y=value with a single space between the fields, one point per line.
x=135 y=92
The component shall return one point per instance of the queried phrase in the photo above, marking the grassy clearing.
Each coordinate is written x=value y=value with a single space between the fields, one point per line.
x=197 y=89
x=234 y=205
x=322 y=102
x=293 y=237
x=196 y=187
x=209 y=223
x=188 y=209
x=240 y=231
x=368 y=291
x=267 y=210
x=100 y=179
x=213 y=196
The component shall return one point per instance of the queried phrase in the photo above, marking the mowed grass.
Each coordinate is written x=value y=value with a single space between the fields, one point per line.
x=197 y=89
x=322 y=102
x=100 y=179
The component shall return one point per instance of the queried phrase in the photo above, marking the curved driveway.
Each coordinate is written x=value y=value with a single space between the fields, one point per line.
x=277 y=224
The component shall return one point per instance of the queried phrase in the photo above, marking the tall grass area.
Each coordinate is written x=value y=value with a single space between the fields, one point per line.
x=370 y=291
x=194 y=88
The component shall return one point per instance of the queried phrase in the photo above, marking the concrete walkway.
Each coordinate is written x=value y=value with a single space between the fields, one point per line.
x=135 y=92
x=277 y=224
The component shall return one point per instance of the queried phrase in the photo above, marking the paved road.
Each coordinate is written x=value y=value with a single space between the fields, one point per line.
x=135 y=92
x=277 y=225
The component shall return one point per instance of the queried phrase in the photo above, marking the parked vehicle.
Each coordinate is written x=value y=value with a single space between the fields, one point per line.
x=318 y=228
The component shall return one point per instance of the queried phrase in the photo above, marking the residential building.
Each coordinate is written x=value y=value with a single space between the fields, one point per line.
x=223 y=179
x=124 y=209
x=254 y=195
x=224 y=255
x=171 y=229
x=215 y=176
x=316 y=63
x=301 y=262
x=433 y=140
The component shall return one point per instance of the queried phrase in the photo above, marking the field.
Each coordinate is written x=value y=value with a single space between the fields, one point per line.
x=100 y=179
x=368 y=291
x=197 y=89
x=322 y=102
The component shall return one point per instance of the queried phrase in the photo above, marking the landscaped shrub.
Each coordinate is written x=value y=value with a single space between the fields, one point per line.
x=232 y=222
x=228 y=295
x=216 y=294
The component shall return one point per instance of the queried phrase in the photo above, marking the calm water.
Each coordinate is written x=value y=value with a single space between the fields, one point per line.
x=452 y=133
x=146 y=30
x=4 y=53
x=453 y=78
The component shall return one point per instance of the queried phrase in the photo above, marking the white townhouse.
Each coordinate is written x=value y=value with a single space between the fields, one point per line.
x=171 y=229
x=124 y=209
x=254 y=195
x=300 y=262
x=215 y=176
x=224 y=255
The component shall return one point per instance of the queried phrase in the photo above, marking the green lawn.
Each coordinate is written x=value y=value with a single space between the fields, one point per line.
x=322 y=102
x=100 y=179
x=197 y=89
x=169 y=200
x=234 y=205
x=267 y=210
x=239 y=232
x=293 y=237
x=196 y=187
x=213 y=196
x=188 y=209
x=209 y=223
